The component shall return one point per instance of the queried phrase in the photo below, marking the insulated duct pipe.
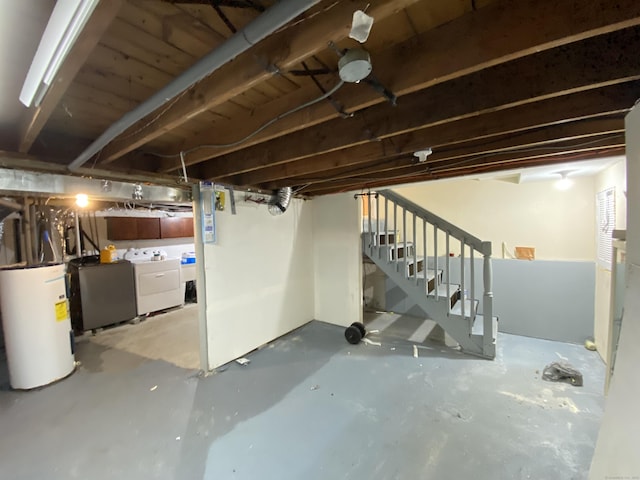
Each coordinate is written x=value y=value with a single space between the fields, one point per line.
x=282 y=200
x=267 y=23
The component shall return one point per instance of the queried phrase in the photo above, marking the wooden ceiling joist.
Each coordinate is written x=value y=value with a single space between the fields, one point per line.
x=606 y=101
x=495 y=34
x=550 y=138
x=578 y=67
x=35 y=118
x=608 y=148
x=281 y=50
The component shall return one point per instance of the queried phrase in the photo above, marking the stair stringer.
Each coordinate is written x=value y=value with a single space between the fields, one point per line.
x=456 y=326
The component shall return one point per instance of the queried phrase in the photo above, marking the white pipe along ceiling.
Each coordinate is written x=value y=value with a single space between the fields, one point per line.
x=274 y=18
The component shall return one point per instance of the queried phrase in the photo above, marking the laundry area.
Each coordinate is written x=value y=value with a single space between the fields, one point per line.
x=75 y=270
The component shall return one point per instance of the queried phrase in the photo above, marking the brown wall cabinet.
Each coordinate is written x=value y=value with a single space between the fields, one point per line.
x=176 y=227
x=134 y=228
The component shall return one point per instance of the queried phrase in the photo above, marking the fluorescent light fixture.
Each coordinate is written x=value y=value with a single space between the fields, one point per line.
x=65 y=24
x=565 y=182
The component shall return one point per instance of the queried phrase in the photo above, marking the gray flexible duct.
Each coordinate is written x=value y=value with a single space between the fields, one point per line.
x=281 y=201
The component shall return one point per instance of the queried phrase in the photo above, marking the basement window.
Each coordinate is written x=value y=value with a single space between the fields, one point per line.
x=606 y=223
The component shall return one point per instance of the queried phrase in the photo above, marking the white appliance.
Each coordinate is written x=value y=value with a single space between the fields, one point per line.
x=37 y=327
x=157 y=279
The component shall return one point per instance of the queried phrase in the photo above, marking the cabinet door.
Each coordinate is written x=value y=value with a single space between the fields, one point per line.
x=122 y=228
x=176 y=227
x=132 y=228
x=148 y=228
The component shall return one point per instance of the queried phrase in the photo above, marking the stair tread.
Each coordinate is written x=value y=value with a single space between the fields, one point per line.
x=457 y=308
x=409 y=259
x=442 y=290
x=478 y=326
x=398 y=245
x=429 y=274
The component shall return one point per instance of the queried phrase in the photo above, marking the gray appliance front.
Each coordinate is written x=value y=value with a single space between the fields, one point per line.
x=108 y=294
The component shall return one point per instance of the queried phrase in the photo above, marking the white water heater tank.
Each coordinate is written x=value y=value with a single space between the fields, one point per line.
x=37 y=327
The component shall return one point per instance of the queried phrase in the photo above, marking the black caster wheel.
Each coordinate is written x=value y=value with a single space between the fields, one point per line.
x=353 y=335
x=360 y=326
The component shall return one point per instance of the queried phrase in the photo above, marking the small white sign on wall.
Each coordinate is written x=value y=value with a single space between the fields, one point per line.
x=605 y=224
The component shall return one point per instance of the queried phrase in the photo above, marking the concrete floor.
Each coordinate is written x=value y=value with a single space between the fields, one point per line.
x=171 y=336
x=311 y=406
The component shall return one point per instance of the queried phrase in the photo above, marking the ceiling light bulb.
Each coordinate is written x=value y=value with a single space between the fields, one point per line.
x=82 y=200
x=564 y=183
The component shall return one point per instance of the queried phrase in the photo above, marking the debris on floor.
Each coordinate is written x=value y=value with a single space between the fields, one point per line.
x=366 y=341
x=243 y=361
x=415 y=351
x=153 y=388
x=562 y=372
x=589 y=344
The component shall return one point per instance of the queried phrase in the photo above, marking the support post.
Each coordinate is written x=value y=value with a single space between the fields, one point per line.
x=487 y=340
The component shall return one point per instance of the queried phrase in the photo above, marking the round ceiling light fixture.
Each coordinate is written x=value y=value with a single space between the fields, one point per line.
x=354 y=65
x=565 y=183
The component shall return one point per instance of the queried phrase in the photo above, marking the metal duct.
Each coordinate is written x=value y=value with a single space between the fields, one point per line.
x=281 y=201
x=274 y=18
x=19 y=182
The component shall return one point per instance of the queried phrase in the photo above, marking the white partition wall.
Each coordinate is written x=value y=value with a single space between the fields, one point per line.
x=258 y=278
x=337 y=256
x=616 y=454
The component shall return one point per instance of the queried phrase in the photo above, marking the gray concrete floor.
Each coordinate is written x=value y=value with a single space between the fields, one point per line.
x=311 y=406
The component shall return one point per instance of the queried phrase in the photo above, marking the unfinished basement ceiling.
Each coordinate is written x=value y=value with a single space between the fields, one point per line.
x=487 y=85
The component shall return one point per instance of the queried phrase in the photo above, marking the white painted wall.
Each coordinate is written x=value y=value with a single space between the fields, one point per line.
x=259 y=278
x=614 y=176
x=560 y=225
x=616 y=454
x=337 y=255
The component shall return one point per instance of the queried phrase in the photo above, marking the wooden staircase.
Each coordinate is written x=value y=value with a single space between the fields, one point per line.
x=393 y=244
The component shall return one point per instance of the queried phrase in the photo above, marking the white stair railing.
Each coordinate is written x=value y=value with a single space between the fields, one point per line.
x=412 y=264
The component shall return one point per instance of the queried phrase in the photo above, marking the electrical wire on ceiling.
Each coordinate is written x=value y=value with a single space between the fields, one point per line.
x=302 y=20
x=257 y=131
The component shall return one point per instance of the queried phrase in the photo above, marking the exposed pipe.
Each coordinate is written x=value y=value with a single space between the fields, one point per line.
x=267 y=23
x=26 y=231
x=17 y=239
x=283 y=197
x=78 y=242
x=10 y=204
x=33 y=227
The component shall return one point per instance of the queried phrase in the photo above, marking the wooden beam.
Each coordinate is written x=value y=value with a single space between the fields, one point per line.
x=615 y=99
x=551 y=137
x=579 y=67
x=35 y=118
x=535 y=161
x=608 y=148
x=500 y=32
x=282 y=50
x=23 y=161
